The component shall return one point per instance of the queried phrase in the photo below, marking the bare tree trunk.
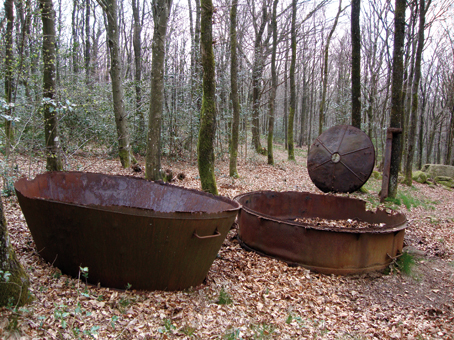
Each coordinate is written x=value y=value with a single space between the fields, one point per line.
x=285 y=97
x=409 y=62
x=75 y=38
x=421 y=138
x=303 y=107
x=195 y=103
x=49 y=88
x=138 y=69
x=257 y=74
x=87 y=41
x=413 y=119
x=161 y=12
x=9 y=62
x=321 y=117
x=450 y=136
x=207 y=132
x=14 y=281
x=233 y=172
x=124 y=148
x=396 y=96
x=356 y=63
x=292 y=106
x=273 y=85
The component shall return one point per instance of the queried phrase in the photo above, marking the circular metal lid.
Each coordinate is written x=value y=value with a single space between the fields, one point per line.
x=341 y=159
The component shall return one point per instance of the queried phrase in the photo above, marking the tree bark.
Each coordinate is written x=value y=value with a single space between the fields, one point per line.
x=450 y=135
x=396 y=94
x=273 y=85
x=356 y=63
x=49 y=88
x=233 y=172
x=257 y=74
x=87 y=42
x=14 y=281
x=124 y=148
x=137 y=44
x=9 y=55
x=207 y=132
x=161 y=12
x=421 y=137
x=292 y=106
x=413 y=119
x=196 y=88
x=75 y=37
x=321 y=117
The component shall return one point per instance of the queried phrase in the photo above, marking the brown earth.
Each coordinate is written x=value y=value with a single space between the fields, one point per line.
x=268 y=299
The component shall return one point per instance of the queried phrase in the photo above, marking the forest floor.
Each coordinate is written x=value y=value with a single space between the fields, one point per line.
x=263 y=298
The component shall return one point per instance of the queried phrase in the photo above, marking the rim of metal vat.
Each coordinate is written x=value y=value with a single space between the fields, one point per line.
x=267 y=225
x=126 y=230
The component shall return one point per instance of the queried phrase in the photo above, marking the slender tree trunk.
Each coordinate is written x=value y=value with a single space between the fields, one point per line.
x=396 y=94
x=113 y=34
x=257 y=74
x=14 y=281
x=430 y=141
x=450 y=136
x=49 y=88
x=233 y=172
x=161 y=12
x=87 y=41
x=292 y=106
x=413 y=119
x=285 y=97
x=321 y=116
x=273 y=85
x=137 y=44
x=303 y=107
x=439 y=144
x=75 y=38
x=356 y=63
x=207 y=132
x=195 y=102
x=420 y=139
x=409 y=62
x=9 y=62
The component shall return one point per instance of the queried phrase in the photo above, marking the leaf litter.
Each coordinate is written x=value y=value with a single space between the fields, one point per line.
x=267 y=298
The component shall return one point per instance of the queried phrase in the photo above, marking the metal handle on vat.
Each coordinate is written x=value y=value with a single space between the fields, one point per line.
x=216 y=234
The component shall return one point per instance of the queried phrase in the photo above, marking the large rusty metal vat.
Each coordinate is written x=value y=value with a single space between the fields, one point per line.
x=268 y=224
x=126 y=230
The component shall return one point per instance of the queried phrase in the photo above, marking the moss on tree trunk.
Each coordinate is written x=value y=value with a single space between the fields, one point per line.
x=205 y=147
x=161 y=12
x=49 y=112
x=396 y=90
x=124 y=148
x=13 y=278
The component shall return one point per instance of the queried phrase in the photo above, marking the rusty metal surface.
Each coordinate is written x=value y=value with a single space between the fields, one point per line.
x=341 y=159
x=125 y=229
x=266 y=225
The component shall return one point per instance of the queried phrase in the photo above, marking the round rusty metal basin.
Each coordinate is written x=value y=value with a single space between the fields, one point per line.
x=126 y=230
x=268 y=225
